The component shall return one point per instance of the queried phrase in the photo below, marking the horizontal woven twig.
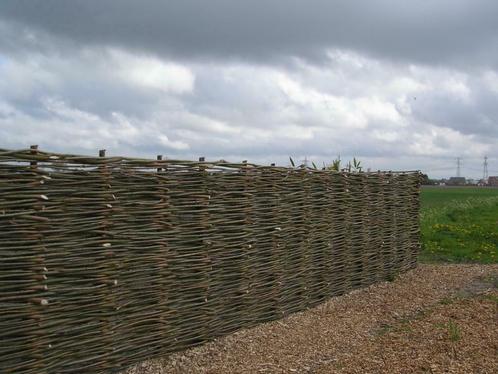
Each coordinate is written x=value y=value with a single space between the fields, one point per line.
x=105 y=262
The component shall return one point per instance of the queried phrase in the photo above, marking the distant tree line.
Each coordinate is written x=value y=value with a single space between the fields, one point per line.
x=426 y=181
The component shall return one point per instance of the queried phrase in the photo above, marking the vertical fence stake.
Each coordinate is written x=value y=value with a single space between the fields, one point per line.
x=37 y=314
x=34 y=151
x=109 y=276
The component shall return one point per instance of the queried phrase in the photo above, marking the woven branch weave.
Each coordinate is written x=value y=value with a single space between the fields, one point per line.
x=105 y=262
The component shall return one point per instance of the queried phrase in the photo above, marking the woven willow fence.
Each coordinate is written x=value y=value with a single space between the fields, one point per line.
x=105 y=262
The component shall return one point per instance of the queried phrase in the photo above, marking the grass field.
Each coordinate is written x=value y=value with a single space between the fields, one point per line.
x=459 y=224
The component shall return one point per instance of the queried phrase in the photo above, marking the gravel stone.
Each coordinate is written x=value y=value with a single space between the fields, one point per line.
x=433 y=319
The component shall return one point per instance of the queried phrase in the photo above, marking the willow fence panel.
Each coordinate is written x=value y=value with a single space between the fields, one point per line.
x=107 y=261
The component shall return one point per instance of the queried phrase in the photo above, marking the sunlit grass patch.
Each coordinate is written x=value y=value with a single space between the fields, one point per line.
x=459 y=230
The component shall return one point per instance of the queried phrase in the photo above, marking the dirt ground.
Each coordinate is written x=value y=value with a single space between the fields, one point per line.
x=434 y=319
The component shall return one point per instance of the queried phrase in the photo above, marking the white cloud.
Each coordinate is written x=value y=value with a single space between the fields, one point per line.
x=377 y=109
x=152 y=73
x=164 y=140
x=406 y=85
x=491 y=80
x=387 y=136
x=457 y=88
x=61 y=110
x=441 y=141
x=389 y=115
x=22 y=80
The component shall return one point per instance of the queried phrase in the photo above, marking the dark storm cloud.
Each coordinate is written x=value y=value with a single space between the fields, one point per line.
x=433 y=32
x=480 y=116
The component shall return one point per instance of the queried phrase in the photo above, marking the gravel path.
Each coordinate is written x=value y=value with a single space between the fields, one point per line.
x=434 y=319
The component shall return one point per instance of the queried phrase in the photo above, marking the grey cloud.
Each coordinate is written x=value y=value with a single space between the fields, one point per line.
x=402 y=86
x=241 y=109
x=476 y=115
x=441 y=32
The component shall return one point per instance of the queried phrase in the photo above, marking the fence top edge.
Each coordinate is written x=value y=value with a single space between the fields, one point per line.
x=51 y=157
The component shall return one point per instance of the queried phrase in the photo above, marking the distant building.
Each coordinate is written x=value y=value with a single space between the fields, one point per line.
x=493 y=181
x=456 y=181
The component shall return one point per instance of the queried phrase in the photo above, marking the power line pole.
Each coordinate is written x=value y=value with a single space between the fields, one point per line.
x=459 y=164
x=485 y=171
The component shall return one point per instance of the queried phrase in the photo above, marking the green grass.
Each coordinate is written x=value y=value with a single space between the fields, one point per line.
x=454 y=331
x=435 y=197
x=459 y=224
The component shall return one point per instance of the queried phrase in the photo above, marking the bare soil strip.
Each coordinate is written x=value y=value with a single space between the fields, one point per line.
x=434 y=319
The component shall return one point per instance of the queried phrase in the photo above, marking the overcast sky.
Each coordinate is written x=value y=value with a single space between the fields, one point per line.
x=398 y=84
